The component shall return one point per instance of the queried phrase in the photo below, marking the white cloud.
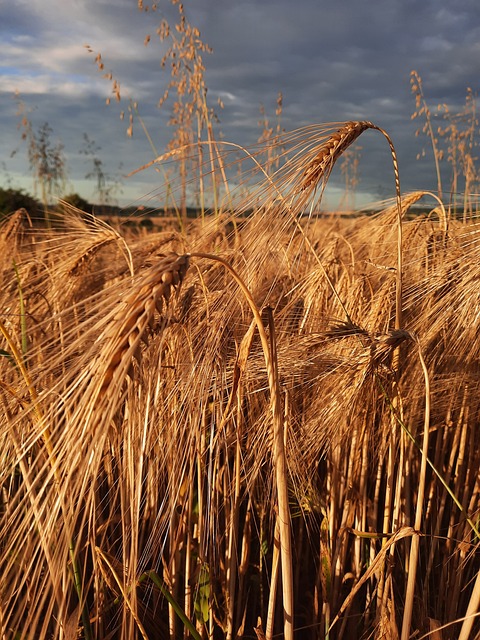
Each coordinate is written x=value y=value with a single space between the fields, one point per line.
x=47 y=84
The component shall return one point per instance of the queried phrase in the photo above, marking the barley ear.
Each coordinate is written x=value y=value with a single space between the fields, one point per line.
x=321 y=166
x=136 y=313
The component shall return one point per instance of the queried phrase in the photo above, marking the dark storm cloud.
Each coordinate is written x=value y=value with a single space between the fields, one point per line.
x=348 y=60
x=332 y=62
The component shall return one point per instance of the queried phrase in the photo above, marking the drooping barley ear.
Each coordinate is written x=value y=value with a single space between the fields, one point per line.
x=321 y=166
x=136 y=314
x=319 y=169
x=11 y=231
x=345 y=136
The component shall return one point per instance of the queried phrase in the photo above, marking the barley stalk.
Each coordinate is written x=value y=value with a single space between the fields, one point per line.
x=280 y=464
x=414 y=549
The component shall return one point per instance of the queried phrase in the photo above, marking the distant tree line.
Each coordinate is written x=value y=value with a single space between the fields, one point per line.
x=13 y=199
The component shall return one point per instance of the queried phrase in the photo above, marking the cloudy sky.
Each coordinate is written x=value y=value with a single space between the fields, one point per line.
x=333 y=61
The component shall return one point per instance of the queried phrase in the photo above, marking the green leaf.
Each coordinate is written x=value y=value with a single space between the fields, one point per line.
x=202 y=595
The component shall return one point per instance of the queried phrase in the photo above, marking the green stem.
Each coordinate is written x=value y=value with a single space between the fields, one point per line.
x=158 y=582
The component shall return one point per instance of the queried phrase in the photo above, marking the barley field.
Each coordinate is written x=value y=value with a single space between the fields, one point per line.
x=262 y=423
